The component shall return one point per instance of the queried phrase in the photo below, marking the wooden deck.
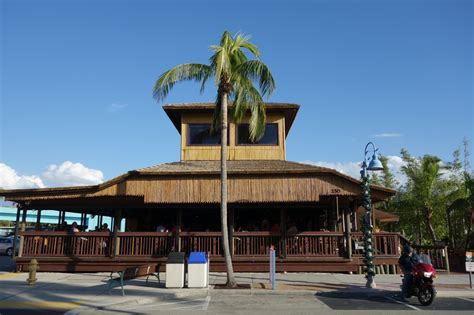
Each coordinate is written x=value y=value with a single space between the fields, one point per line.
x=100 y=251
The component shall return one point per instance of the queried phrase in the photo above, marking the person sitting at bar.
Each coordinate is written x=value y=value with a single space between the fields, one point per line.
x=105 y=228
x=161 y=228
x=74 y=227
x=275 y=228
x=292 y=229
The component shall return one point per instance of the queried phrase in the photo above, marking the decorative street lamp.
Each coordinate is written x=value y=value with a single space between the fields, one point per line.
x=368 y=225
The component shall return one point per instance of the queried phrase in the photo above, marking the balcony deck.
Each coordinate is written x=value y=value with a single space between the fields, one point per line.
x=302 y=252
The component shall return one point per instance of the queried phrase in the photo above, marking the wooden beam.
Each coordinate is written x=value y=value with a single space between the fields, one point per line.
x=38 y=220
x=347 y=233
x=283 y=224
x=18 y=210
x=23 y=229
x=179 y=218
x=231 y=230
x=116 y=227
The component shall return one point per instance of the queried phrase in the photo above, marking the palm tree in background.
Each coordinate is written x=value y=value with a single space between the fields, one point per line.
x=235 y=77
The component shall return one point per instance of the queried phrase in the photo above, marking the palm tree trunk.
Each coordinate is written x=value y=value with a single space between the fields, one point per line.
x=225 y=231
x=429 y=225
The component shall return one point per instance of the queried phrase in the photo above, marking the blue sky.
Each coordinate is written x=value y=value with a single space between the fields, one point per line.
x=76 y=77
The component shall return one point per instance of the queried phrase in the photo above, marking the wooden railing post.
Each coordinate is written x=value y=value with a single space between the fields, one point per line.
x=17 y=222
x=347 y=234
x=179 y=217
x=38 y=220
x=117 y=246
x=23 y=229
x=447 y=258
x=231 y=231
x=283 y=232
x=116 y=226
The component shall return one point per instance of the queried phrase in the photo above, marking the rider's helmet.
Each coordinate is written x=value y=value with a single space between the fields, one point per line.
x=407 y=249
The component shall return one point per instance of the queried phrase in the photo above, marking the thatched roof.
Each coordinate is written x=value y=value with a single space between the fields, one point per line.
x=174 y=111
x=198 y=182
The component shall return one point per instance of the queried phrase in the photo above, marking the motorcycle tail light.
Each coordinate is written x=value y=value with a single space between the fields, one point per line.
x=427 y=274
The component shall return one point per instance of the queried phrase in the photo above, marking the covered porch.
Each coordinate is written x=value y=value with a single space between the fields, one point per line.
x=308 y=213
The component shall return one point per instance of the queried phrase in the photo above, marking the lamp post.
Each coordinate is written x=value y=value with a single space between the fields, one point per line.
x=374 y=165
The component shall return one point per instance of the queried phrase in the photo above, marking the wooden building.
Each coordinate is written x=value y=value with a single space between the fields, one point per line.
x=309 y=213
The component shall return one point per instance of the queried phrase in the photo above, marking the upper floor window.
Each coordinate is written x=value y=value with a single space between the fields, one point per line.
x=270 y=137
x=200 y=134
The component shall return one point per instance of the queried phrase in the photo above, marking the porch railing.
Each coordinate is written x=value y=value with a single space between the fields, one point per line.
x=54 y=244
x=385 y=243
x=145 y=244
x=101 y=244
x=209 y=242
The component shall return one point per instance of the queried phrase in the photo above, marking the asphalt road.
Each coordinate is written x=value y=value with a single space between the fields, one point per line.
x=219 y=302
x=340 y=301
x=289 y=304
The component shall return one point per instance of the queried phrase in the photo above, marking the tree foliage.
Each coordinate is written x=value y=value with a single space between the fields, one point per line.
x=436 y=202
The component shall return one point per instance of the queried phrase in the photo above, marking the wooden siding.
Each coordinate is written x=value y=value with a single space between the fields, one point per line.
x=235 y=152
x=206 y=189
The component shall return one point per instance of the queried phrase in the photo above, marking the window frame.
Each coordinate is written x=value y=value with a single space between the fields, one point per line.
x=257 y=144
x=188 y=138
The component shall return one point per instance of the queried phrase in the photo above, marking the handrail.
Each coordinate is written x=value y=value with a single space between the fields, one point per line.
x=305 y=244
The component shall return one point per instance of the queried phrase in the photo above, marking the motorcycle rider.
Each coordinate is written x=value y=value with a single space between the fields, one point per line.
x=406 y=261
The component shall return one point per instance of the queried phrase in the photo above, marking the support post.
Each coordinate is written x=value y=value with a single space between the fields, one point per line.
x=347 y=232
x=63 y=217
x=23 y=229
x=38 y=220
x=231 y=231
x=116 y=227
x=59 y=218
x=356 y=218
x=448 y=269
x=17 y=222
x=179 y=217
x=283 y=232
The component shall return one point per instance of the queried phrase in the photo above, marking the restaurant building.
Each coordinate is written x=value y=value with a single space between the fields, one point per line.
x=309 y=213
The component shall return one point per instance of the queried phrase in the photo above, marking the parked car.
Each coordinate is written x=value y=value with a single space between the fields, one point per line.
x=6 y=245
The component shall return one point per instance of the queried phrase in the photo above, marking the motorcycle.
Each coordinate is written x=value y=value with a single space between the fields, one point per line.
x=422 y=283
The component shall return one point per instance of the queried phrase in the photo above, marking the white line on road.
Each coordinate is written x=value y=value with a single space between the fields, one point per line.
x=206 y=303
x=400 y=302
x=183 y=302
x=466 y=299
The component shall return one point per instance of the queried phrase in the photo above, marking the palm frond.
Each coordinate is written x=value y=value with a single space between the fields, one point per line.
x=257 y=71
x=220 y=63
x=247 y=98
x=180 y=73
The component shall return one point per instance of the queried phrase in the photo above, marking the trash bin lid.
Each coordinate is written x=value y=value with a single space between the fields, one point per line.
x=175 y=258
x=197 y=258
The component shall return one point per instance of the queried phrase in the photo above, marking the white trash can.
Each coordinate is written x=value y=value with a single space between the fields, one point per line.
x=175 y=270
x=198 y=270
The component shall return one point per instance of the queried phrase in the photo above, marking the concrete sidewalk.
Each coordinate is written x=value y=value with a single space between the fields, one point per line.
x=87 y=292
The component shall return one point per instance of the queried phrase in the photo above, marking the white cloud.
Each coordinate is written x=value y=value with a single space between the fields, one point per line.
x=72 y=174
x=116 y=107
x=348 y=168
x=353 y=168
x=387 y=135
x=9 y=179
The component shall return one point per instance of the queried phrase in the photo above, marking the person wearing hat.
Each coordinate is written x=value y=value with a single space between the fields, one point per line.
x=406 y=262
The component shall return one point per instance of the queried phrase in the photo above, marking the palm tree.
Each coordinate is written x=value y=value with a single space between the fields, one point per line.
x=424 y=178
x=234 y=76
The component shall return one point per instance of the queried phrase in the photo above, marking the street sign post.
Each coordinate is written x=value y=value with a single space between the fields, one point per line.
x=272 y=267
x=470 y=266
